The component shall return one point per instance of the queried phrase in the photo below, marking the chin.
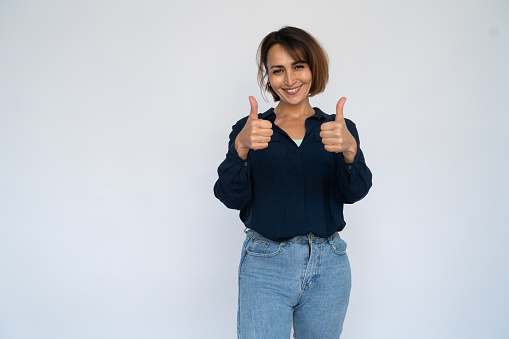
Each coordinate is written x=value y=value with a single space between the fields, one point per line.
x=294 y=101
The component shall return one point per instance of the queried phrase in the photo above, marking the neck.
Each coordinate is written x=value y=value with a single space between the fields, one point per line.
x=303 y=109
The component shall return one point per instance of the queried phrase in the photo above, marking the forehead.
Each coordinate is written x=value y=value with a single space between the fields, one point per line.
x=279 y=55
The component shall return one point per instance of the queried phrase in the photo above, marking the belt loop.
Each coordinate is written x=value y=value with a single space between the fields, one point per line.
x=331 y=238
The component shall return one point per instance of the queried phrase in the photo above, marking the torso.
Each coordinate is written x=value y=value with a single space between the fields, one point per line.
x=295 y=127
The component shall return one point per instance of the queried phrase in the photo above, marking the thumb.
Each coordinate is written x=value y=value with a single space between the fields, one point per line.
x=339 y=109
x=254 y=109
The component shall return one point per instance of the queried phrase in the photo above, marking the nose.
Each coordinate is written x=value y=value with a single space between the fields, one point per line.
x=289 y=78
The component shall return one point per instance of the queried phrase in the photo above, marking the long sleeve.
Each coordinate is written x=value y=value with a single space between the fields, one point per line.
x=233 y=188
x=285 y=190
x=353 y=180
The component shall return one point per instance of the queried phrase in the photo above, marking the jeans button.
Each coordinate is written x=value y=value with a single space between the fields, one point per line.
x=311 y=235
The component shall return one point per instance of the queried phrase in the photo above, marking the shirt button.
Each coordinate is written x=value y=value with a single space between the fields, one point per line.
x=349 y=167
x=245 y=163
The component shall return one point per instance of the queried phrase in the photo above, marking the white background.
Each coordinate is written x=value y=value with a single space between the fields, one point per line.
x=114 y=116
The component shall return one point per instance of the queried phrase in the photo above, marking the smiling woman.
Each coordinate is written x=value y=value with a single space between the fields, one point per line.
x=301 y=47
x=290 y=80
x=290 y=171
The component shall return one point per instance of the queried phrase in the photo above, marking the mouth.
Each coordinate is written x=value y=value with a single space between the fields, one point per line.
x=292 y=91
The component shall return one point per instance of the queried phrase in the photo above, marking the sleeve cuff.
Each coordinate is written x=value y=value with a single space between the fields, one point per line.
x=232 y=154
x=350 y=167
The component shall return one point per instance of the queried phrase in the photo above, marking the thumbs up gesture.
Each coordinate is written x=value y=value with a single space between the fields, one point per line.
x=255 y=134
x=336 y=137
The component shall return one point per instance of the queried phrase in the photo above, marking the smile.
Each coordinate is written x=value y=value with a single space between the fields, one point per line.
x=292 y=90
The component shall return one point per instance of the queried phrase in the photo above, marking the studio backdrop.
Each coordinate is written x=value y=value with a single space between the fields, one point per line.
x=114 y=116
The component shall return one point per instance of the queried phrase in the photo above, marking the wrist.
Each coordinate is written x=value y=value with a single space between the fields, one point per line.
x=349 y=155
x=241 y=150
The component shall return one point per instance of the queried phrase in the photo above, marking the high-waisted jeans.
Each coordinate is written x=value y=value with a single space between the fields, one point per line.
x=305 y=280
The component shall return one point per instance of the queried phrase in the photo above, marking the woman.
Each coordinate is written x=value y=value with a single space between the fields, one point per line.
x=289 y=171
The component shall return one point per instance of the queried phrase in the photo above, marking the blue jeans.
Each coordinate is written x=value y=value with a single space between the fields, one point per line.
x=305 y=280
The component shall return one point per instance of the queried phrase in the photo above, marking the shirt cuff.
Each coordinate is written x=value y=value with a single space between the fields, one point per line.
x=234 y=155
x=352 y=166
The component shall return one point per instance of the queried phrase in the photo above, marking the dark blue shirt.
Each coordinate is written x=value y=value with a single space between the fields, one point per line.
x=284 y=190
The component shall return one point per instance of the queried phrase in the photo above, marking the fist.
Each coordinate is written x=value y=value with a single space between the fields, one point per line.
x=336 y=137
x=255 y=134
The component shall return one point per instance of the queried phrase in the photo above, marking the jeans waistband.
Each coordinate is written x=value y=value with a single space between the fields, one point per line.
x=310 y=237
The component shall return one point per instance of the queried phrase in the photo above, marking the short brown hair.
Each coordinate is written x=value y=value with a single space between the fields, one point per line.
x=302 y=47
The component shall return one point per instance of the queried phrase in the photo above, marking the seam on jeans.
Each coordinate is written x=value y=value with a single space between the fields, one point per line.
x=315 y=275
x=304 y=285
x=243 y=253
x=335 y=250
x=238 y=296
x=238 y=310
x=297 y=304
x=242 y=258
x=266 y=242
x=303 y=277
x=264 y=255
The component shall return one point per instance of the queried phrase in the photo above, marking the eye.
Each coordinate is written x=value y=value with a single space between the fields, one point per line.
x=299 y=67
x=277 y=71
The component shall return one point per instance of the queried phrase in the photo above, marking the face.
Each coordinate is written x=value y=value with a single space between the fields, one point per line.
x=291 y=80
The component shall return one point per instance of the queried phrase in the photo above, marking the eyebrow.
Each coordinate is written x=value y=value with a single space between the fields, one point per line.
x=293 y=64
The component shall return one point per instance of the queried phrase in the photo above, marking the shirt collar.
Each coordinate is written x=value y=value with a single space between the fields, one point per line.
x=268 y=115
x=271 y=116
x=319 y=114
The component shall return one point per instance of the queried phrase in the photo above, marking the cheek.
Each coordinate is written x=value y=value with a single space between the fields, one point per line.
x=309 y=77
x=274 y=81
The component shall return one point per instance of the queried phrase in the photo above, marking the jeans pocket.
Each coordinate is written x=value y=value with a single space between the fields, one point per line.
x=337 y=244
x=262 y=247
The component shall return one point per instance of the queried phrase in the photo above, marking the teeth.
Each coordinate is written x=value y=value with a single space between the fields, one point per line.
x=292 y=90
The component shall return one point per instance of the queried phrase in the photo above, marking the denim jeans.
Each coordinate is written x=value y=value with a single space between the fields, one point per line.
x=305 y=280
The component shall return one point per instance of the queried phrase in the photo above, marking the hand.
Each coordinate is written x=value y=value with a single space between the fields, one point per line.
x=255 y=134
x=336 y=137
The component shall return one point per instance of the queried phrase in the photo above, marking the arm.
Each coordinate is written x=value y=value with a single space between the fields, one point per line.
x=233 y=188
x=353 y=179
